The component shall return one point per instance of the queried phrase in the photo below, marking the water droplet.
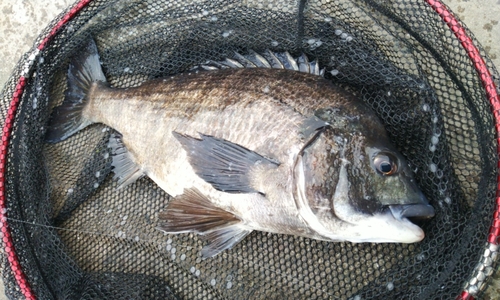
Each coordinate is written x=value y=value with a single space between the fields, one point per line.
x=183 y=256
x=229 y=285
x=334 y=72
x=173 y=256
x=432 y=147
x=169 y=241
x=173 y=250
x=197 y=273
x=338 y=31
x=192 y=270
x=96 y=185
x=266 y=89
x=109 y=211
x=389 y=93
x=435 y=139
x=70 y=191
x=328 y=19
x=125 y=217
x=433 y=168
x=390 y=286
x=227 y=33
x=205 y=12
x=126 y=70
x=106 y=155
x=169 y=247
x=349 y=38
x=357 y=297
x=343 y=35
x=136 y=238
x=213 y=18
x=426 y=107
x=447 y=200
x=213 y=282
x=311 y=41
x=97 y=174
x=274 y=43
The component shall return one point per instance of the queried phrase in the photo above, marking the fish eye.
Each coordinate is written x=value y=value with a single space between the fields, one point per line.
x=385 y=164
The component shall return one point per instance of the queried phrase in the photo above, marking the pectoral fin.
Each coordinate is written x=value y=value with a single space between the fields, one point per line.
x=225 y=165
x=193 y=212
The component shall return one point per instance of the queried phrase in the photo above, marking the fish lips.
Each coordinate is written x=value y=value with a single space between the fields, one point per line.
x=413 y=211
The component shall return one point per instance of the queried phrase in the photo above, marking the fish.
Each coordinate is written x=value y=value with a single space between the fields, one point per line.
x=258 y=142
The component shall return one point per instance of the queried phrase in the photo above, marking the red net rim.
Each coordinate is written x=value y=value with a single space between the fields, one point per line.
x=446 y=15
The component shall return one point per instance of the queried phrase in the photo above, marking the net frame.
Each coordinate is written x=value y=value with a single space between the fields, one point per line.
x=473 y=285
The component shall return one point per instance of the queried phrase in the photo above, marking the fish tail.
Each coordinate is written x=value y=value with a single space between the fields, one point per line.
x=84 y=74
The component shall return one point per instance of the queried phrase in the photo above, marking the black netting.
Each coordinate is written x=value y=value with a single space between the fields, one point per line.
x=78 y=237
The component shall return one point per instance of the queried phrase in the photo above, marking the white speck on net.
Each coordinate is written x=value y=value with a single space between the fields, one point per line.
x=433 y=168
x=435 y=120
x=432 y=147
x=104 y=129
x=390 y=286
x=213 y=18
x=173 y=256
x=328 y=19
x=197 y=273
x=349 y=38
x=125 y=217
x=126 y=70
x=426 y=107
x=106 y=155
x=35 y=103
x=205 y=12
x=334 y=72
x=274 y=43
x=213 y=282
x=229 y=285
x=447 y=200
x=70 y=191
x=338 y=31
x=97 y=174
x=109 y=211
x=435 y=139
x=192 y=270
x=227 y=33
x=169 y=247
x=357 y=297
x=183 y=256
x=266 y=89
x=121 y=234
x=173 y=250
x=311 y=41
x=343 y=35
x=41 y=60
x=136 y=238
x=169 y=241
x=389 y=93
x=420 y=257
x=96 y=185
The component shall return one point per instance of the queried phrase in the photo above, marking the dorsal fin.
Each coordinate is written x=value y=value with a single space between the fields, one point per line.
x=267 y=59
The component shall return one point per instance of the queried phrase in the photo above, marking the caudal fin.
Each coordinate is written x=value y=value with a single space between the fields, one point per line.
x=83 y=72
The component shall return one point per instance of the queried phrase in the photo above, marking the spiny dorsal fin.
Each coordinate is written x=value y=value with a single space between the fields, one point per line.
x=125 y=169
x=225 y=165
x=268 y=59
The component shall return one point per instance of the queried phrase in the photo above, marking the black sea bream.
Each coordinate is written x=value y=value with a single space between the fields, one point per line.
x=267 y=144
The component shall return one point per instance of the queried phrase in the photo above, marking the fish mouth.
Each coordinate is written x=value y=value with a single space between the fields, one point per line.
x=411 y=211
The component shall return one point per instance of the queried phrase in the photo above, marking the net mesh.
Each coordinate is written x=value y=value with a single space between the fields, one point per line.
x=78 y=237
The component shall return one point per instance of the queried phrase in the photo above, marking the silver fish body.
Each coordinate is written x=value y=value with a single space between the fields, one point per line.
x=242 y=149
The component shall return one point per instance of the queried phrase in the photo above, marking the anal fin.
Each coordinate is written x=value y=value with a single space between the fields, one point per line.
x=193 y=212
x=124 y=166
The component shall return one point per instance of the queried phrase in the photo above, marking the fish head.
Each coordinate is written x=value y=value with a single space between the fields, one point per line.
x=352 y=184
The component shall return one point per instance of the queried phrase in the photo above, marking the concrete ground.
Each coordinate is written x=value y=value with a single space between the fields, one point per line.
x=22 y=20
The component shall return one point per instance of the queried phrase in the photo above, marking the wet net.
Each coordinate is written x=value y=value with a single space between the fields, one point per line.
x=75 y=236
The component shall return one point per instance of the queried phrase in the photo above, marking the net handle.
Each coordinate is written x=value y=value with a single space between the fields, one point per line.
x=8 y=244
x=439 y=8
x=494 y=99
